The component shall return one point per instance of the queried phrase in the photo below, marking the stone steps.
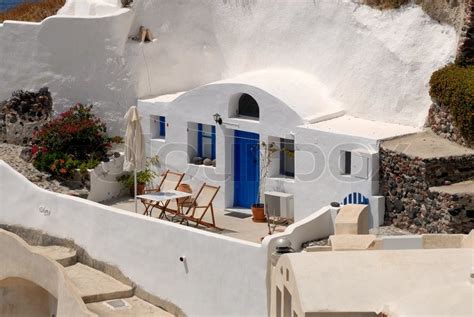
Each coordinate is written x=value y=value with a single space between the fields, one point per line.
x=95 y=286
x=64 y=256
x=101 y=293
x=132 y=306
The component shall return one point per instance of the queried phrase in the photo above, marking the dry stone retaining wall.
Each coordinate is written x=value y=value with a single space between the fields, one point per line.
x=466 y=40
x=441 y=121
x=406 y=181
x=23 y=114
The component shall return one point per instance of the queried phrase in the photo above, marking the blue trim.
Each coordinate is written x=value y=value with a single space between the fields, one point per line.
x=355 y=198
x=213 y=143
x=200 y=144
x=246 y=168
x=162 y=126
x=284 y=157
x=199 y=140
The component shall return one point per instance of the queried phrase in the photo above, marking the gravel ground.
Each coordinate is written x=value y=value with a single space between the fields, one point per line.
x=11 y=155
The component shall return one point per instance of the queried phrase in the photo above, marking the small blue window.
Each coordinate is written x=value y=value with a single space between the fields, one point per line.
x=162 y=126
x=206 y=141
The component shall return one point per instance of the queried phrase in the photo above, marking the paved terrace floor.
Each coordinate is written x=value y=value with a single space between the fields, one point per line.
x=426 y=145
x=234 y=224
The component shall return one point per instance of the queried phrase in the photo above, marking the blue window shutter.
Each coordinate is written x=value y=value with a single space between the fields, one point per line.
x=282 y=158
x=162 y=126
x=199 y=140
x=213 y=143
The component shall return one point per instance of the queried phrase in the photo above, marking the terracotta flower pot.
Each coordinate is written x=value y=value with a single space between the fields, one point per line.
x=186 y=188
x=258 y=212
x=140 y=190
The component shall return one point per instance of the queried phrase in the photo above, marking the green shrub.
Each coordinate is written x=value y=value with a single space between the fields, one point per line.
x=452 y=87
x=143 y=177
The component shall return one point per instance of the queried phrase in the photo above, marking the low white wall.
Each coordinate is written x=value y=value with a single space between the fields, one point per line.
x=402 y=242
x=318 y=225
x=104 y=185
x=222 y=276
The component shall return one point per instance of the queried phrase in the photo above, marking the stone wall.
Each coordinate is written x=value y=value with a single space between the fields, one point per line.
x=406 y=181
x=441 y=121
x=466 y=38
x=23 y=114
x=448 y=170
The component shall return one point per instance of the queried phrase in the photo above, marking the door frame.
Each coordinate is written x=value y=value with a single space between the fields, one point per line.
x=244 y=199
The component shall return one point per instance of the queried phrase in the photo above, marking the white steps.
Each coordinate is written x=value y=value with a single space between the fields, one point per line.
x=64 y=256
x=125 y=307
x=102 y=294
x=95 y=286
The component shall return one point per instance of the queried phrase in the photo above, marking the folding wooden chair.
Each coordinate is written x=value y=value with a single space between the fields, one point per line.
x=170 y=181
x=202 y=201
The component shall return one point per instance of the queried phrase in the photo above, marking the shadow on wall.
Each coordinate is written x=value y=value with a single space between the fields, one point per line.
x=36 y=288
x=20 y=297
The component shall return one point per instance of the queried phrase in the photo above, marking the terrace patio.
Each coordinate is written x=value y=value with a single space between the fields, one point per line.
x=233 y=222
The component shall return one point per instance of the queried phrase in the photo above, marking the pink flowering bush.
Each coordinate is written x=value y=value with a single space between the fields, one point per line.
x=75 y=139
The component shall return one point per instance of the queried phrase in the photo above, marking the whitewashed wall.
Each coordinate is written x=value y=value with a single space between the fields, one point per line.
x=199 y=105
x=81 y=59
x=318 y=180
x=317 y=164
x=103 y=180
x=222 y=276
x=376 y=64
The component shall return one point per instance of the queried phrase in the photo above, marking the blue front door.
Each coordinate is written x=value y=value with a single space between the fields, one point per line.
x=246 y=168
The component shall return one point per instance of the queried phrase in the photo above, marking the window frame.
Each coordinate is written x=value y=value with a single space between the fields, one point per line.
x=162 y=126
x=202 y=134
x=346 y=163
x=283 y=157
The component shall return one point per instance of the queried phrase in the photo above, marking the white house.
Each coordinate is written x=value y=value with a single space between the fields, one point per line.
x=324 y=155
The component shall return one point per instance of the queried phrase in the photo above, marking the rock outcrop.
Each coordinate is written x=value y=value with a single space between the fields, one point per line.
x=23 y=114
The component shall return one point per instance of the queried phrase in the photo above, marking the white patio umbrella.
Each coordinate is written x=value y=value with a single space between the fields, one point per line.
x=134 y=146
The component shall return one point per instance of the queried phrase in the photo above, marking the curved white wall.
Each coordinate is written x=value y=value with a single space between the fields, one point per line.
x=21 y=269
x=222 y=276
x=375 y=64
x=79 y=59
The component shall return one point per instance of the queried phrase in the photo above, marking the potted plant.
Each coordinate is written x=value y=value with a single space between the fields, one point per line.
x=143 y=177
x=259 y=211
